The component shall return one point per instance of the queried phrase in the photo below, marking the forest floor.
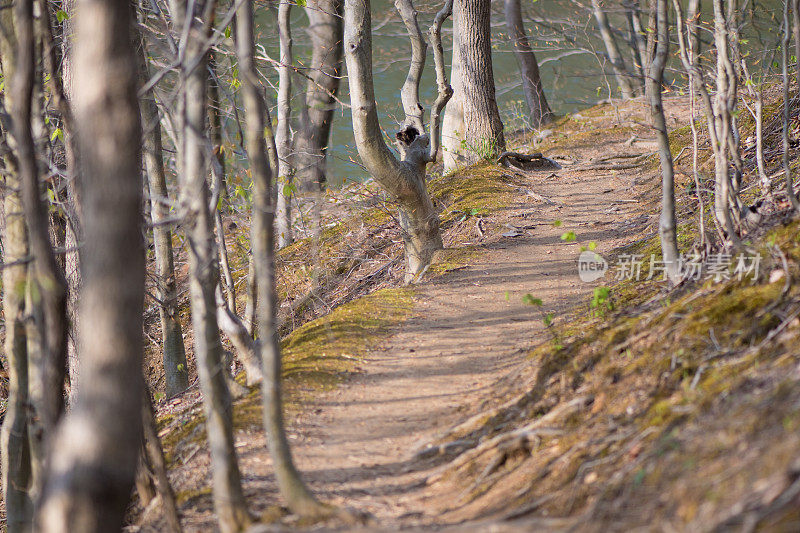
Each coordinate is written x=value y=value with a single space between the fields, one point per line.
x=460 y=409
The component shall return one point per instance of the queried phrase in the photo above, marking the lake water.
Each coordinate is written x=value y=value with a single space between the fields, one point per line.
x=573 y=76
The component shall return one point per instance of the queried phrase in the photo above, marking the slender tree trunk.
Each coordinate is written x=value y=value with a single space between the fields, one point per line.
x=91 y=471
x=667 y=221
x=229 y=501
x=638 y=41
x=292 y=488
x=614 y=55
x=723 y=189
x=311 y=145
x=787 y=109
x=47 y=275
x=796 y=36
x=283 y=138
x=481 y=136
x=173 y=351
x=155 y=458
x=16 y=49
x=539 y=110
x=219 y=182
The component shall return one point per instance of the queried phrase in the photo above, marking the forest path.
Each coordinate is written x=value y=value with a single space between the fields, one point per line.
x=355 y=445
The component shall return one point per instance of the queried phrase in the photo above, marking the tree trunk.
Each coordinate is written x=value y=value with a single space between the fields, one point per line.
x=539 y=110
x=474 y=102
x=311 y=146
x=292 y=488
x=173 y=351
x=667 y=222
x=614 y=55
x=91 y=471
x=404 y=179
x=48 y=276
x=796 y=36
x=155 y=458
x=229 y=501
x=283 y=138
x=16 y=49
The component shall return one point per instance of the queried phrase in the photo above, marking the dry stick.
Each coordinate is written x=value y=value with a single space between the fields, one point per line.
x=786 y=114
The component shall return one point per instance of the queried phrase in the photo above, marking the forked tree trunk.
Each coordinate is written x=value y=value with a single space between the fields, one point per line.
x=292 y=488
x=91 y=471
x=311 y=145
x=538 y=108
x=173 y=351
x=667 y=222
x=614 y=55
x=480 y=135
x=403 y=179
x=16 y=50
x=229 y=502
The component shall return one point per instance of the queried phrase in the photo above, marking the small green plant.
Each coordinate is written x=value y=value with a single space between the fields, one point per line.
x=568 y=236
x=601 y=301
x=547 y=318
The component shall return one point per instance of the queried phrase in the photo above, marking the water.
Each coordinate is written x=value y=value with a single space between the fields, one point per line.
x=572 y=76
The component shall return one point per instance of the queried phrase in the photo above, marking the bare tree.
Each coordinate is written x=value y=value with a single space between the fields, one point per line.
x=311 y=145
x=283 y=137
x=229 y=501
x=786 y=108
x=472 y=128
x=91 y=471
x=176 y=374
x=17 y=52
x=297 y=496
x=614 y=56
x=404 y=179
x=655 y=77
x=538 y=107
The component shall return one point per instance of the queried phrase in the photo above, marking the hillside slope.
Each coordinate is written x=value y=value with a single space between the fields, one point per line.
x=506 y=391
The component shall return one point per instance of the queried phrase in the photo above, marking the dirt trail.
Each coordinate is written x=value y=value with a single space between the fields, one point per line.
x=356 y=444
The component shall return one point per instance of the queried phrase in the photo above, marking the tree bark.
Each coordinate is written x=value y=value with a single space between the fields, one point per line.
x=538 y=108
x=16 y=49
x=311 y=145
x=655 y=77
x=614 y=55
x=474 y=102
x=229 y=501
x=292 y=488
x=786 y=108
x=91 y=471
x=404 y=179
x=283 y=137
x=173 y=350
